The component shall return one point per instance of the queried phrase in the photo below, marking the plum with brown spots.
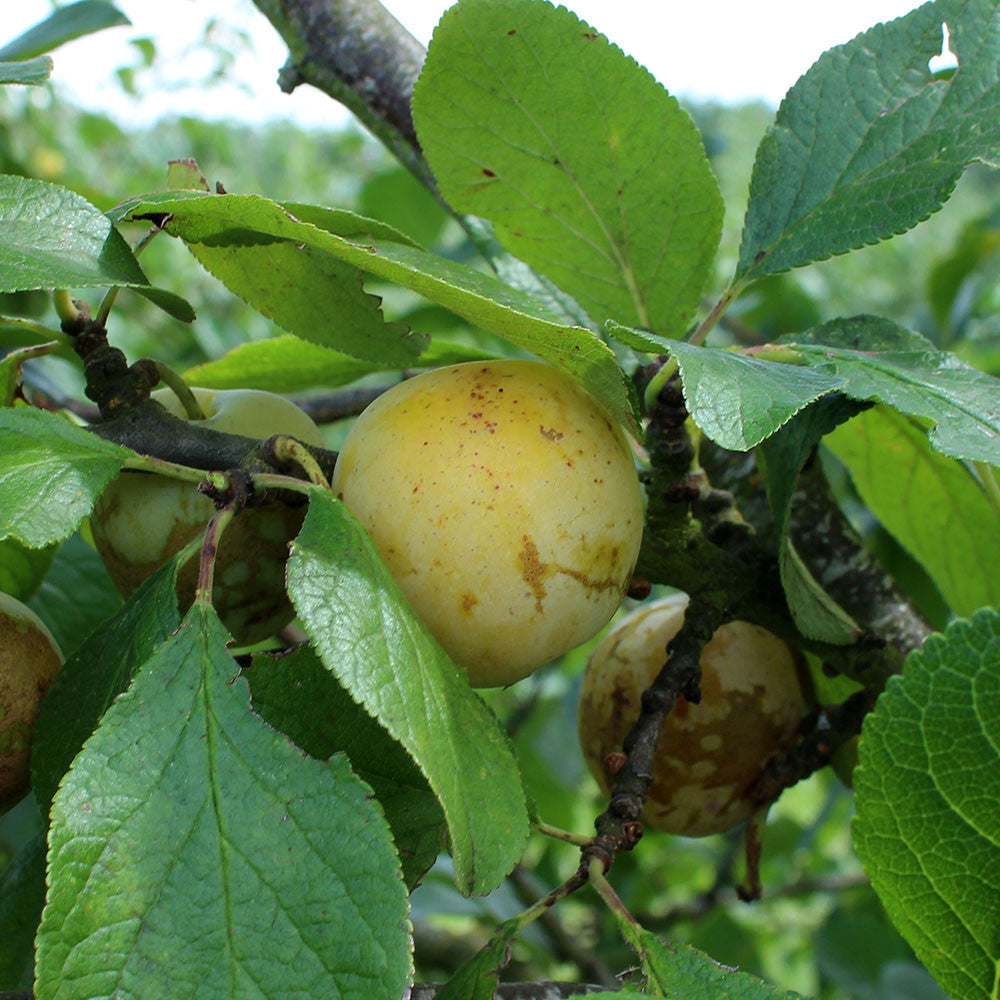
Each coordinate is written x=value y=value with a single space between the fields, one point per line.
x=29 y=660
x=141 y=520
x=754 y=697
x=505 y=502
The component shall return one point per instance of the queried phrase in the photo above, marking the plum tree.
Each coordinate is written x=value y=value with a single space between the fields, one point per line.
x=505 y=502
x=755 y=695
x=143 y=519
x=29 y=659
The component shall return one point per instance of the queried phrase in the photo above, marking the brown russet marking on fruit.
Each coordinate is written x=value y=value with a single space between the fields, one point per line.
x=550 y=433
x=469 y=601
x=533 y=570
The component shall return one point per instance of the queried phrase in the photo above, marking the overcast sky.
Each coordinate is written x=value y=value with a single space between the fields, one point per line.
x=723 y=49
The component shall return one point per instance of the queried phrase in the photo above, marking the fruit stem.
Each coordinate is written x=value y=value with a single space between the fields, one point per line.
x=286 y=449
x=66 y=308
x=272 y=480
x=147 y=463
x=557 y=834
x=209 y=548
x=597 y=878
x=173 y=380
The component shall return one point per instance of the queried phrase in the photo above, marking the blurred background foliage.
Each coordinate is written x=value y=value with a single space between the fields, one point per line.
x=819 y=929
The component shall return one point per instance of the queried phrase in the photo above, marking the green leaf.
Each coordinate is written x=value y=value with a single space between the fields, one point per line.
x=22 y=569
x=76 y=595
x=736 y=400
x=52 y=237
x=781 y=458
x=877 y=359
x=99 y=670
x=22 y=894
x=382 y=654
x=477 y=297
x=63 y=25
x=171 y=304
x=51 y=474
x=30 y=72
x=927 y=829
x=281 y=684
x=589 y=170
x=195 y=850
x=870 y=142
x=10 y=368
x=932 y=505
x=678 y=970
x=477 y=978
x=288 y=364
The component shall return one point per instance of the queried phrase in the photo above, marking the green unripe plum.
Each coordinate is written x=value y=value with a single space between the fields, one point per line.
x=755 y=695
x=142 y=519
x=29 y=659
x=505 y=502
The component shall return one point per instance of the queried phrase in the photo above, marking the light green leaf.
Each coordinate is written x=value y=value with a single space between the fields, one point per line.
x=281 y=684
x=879 y=360
x=30 y=72
x=677 y=970
x=589 y=170
x=288 y=364
x=869 y=142
x=484 y=301
x=931 y=504
x=63 y=25
x=171 y=304
x=99 y=670
x=738 y=401
x=23 y=569
x=928 y=829
x=51 y=474
x=10 y=368
x=52 y=237
x=382 y=654
x=194 y=849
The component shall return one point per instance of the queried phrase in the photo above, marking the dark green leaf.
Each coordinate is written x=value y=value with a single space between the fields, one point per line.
x=30 y=72
x=877 y=359
x=926 y=787
x=22 y=893
x=95 y=674
x=382 y=654
x=76 y=595
x=477 y=978
x=931 y=504
x=194 y=849
x=589 y=170
x=51 y=474
x=471 y=294
x=870 y=142
x=171 y=304
x=281 y=684
x=63 y=25
x=52 y=237
x=781 y=458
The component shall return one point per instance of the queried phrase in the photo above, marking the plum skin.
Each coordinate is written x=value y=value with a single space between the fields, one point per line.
x=755 y=694
x=141 y=520
x=29 y=660
x=505 y=502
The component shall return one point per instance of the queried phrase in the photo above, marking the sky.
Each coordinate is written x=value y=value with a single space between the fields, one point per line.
x=726 y=50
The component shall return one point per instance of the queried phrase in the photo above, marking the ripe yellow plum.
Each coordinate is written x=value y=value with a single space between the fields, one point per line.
x=504 y=500
x=755 y=695
x=142 y=519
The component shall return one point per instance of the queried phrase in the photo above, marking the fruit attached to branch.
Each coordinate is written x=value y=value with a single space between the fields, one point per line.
x=755 y=695
x=29 y=659
x=143 y=519
x=504 y=500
